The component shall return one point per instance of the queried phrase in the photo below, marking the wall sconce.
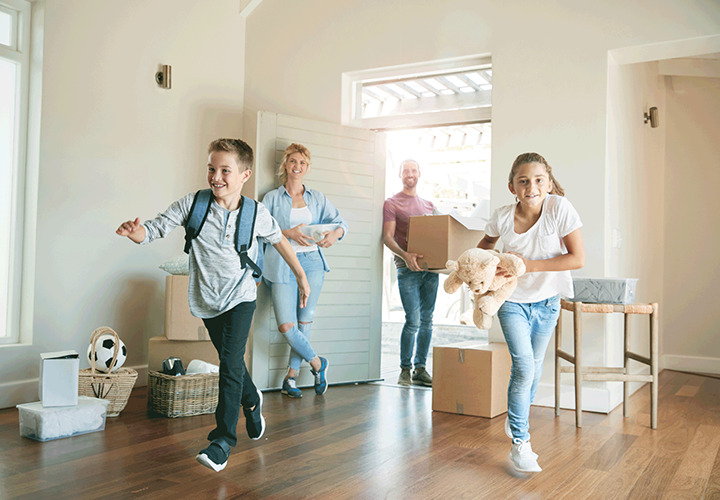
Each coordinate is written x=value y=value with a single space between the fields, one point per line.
x=164 y=77
x=652 y=117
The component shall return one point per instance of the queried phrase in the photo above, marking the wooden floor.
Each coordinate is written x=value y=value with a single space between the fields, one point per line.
x=375 y=441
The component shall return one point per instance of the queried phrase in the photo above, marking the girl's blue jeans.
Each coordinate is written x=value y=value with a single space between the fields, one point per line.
x=287 y=309
x=527 y=329
x=418 y=291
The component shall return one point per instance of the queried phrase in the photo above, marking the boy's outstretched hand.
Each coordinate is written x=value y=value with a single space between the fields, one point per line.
x=132 y=229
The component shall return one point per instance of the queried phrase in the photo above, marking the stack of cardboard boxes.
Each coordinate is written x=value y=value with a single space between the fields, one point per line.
x=185 y=335
x=469 y=378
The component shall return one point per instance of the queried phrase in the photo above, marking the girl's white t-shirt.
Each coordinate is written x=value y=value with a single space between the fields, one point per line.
x=542 y=241
x=298 y=216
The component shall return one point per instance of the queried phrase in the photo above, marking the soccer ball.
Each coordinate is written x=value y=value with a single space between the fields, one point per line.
x=104 y=351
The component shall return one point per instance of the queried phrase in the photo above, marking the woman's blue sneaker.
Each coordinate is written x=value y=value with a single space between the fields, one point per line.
x=321 y=377
x=289 y=388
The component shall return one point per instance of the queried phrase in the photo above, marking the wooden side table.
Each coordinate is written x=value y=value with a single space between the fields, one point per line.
x=599 y=373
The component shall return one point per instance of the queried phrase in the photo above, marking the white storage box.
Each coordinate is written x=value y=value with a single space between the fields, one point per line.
x=59 y=378
x=43 y=424
x=604 y=290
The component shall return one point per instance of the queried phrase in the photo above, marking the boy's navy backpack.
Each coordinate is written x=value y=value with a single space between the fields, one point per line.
x=243 y=234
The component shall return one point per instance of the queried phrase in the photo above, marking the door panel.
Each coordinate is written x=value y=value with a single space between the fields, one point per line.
x=348 y=167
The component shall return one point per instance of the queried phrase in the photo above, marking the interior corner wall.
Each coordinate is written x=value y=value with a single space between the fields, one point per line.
x=115 y=146
x=692 y=216
x=635 y=228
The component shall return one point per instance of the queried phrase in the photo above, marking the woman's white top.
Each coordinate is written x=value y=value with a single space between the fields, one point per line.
x=542 y=241
x=300 y=216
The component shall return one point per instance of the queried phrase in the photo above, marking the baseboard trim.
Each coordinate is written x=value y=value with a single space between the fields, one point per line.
x=26 y=391
x=693 y=364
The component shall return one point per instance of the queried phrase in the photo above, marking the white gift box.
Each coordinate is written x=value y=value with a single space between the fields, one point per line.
x=59 y=378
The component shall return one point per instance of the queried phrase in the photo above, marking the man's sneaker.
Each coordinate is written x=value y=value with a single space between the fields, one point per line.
x=289 y=388
x=421 y=377
x=523 y=458
x=508 y=433
x=214 y=457
x=404 y=378
x=321 y=377
x=254 y=421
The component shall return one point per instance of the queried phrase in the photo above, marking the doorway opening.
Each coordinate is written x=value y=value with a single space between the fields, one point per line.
x=455 y=175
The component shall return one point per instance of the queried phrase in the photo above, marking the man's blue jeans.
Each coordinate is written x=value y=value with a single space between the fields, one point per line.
x=418 y=291
x=527 y=329
x=288 y=310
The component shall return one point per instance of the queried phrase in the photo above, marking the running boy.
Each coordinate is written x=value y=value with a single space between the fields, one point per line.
x=221 y=292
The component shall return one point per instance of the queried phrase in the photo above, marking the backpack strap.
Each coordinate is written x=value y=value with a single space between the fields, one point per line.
x=244 y=235
x=198 y=213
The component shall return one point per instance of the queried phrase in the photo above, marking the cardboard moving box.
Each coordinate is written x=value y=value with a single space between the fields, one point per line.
x=59 y=378
x=439 y=238
x=471 y=378
x=179 y=323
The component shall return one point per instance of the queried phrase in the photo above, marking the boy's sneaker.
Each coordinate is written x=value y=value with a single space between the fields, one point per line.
x=421 y=377
x=214 y=457
x=254 y=421
x=289 y=388
x=404 y=378
x=508 y=433
x=321 y=377
x=523 y=458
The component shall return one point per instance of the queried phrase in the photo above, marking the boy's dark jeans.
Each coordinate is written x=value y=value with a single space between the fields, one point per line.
x=229 y=334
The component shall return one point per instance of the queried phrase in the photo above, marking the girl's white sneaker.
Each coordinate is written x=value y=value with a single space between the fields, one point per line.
x=523 y=458
x=508 y=432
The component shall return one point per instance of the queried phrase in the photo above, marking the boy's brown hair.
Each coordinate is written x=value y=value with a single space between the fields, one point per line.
x=241 y=149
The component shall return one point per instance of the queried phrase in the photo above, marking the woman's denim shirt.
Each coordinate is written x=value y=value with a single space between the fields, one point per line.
x=279 y=203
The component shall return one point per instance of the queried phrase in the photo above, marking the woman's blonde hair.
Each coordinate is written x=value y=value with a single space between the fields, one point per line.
x=536 y=158
x=291 y=150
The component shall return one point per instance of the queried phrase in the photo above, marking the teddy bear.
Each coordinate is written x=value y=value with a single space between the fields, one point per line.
x=477 y=268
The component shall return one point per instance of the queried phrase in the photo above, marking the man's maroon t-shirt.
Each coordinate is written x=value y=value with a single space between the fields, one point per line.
x=399 y=208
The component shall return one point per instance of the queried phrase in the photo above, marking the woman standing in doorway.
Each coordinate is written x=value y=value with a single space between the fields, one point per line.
x=294 y=206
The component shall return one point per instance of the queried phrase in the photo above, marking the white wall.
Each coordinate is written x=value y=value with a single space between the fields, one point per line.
x=692 y=215
x=550 y=74
x=114 y=146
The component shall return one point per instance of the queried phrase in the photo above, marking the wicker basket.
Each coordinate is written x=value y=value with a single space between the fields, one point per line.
x=112 y=386
x=183 y=395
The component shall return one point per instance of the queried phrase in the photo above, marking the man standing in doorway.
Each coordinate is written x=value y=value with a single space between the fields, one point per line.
x=418 y=288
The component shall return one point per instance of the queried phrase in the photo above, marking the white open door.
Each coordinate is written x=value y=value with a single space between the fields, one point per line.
x=348 y=167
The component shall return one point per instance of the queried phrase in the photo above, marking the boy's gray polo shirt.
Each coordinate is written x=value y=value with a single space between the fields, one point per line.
x=217 y=281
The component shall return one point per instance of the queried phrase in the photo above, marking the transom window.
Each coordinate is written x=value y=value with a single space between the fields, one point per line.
x=455 y=90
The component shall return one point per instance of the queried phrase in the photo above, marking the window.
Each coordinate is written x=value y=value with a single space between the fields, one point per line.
x=14 y=91
x=448 y=92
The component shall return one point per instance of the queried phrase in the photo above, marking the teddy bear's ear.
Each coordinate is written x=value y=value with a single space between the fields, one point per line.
x=452 y=265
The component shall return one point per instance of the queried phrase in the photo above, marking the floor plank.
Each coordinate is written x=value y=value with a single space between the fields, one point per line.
x=379 y=441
